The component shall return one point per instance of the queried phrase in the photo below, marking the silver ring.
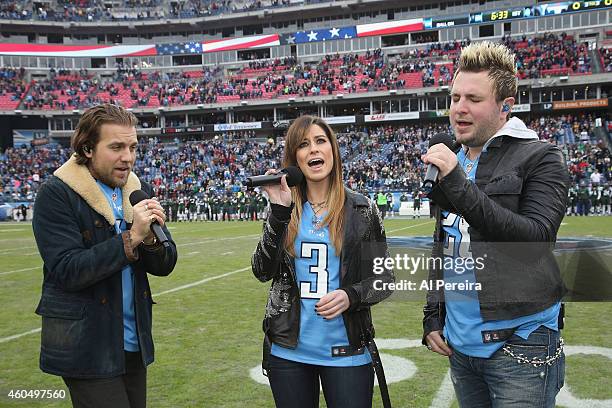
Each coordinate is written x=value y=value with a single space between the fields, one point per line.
x=428 y=347
x=146 y=206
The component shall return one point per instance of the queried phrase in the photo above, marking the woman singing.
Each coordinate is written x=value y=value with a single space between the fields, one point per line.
x=317 y=247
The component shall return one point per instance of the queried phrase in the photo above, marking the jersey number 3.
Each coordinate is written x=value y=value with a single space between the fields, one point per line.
x=320 y=269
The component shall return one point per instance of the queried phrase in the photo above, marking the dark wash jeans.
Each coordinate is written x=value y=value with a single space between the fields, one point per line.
x=501 y=382
x=125 y=391
x=296 y=385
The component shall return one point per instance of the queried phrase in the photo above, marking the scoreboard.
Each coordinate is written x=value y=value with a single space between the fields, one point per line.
x=547 y=9
x=498 y=15
x=539 y=10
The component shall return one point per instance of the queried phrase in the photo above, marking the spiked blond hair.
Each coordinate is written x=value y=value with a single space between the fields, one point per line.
x=495 y=58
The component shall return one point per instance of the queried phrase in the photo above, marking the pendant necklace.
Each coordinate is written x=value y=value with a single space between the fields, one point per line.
x=470 y=164
x=317 y=220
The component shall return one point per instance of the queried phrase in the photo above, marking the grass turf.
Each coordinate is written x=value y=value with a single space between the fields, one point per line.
x=208 y=336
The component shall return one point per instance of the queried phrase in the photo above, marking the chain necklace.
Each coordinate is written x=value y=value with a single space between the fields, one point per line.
x=317 y=208
x=467 y=168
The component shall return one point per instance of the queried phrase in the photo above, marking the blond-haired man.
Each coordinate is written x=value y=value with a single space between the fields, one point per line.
x=500 y=200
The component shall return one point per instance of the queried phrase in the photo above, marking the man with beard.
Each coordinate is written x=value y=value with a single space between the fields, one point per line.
x=97 y=250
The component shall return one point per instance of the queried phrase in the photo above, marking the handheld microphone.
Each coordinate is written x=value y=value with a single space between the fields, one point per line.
x=294 y=177
x=431 y=176
x=136 y=197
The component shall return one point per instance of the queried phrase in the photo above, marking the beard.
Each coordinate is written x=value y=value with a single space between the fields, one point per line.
x=482 y=132
x=106 y=176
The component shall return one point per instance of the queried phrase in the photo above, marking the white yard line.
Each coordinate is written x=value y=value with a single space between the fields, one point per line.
x=5 y=251
x=218 y=239
x=190 y=285
x=446 y=393
x=20 y=270
x=16 y=336
x=411 y=226
x=187 y=286
x=179 y=245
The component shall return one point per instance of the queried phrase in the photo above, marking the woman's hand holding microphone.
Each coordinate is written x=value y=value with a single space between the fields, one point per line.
x=278 y=193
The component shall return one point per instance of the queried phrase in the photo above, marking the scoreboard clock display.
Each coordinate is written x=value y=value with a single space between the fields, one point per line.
x=499 y=15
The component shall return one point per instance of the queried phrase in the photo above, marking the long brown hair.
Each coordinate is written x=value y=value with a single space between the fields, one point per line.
x=335 y=195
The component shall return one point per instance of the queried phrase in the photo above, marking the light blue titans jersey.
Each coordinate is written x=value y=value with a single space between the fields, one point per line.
x=130 y=338
x=317 y=268
x=464 y=324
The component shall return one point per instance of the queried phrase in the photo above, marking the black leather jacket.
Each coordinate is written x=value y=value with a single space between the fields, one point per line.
x=514 y=210
x=364 y=239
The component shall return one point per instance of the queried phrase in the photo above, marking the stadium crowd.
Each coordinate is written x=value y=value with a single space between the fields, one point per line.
x=283 y=78
x=203 y=179
x=97 y=10
x=606 y=58
x=549 y=54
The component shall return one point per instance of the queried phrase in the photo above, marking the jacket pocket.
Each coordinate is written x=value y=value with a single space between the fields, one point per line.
x=505 y=184
x=63 y=326
x=506 y=191
x=60 y=310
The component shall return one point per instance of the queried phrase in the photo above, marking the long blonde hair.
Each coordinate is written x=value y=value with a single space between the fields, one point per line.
x=335 y=195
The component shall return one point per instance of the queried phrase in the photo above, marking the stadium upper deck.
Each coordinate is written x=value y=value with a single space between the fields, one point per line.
x=243 y=74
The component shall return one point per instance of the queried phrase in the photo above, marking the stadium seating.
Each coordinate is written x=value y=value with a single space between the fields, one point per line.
x=12 y=88
x=384 y=157
x=548 y=55
x=96 y=10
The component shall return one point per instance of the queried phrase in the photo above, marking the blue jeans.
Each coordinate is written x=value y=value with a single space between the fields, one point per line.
x=296 y=385
x=501 y=382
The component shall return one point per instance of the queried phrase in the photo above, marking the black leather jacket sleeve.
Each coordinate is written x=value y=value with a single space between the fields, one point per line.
x=542 y=204
x=364 y=293
x=265 y=259
x=433 y=312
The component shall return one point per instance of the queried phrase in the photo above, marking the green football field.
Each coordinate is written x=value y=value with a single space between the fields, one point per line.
x=207 y=326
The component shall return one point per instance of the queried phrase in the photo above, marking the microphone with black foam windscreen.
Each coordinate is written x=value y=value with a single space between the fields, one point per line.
x=136 y=197
x=294 y=177
x=431 y=176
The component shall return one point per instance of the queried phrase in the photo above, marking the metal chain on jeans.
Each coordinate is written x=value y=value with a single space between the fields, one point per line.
x=536 y=361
